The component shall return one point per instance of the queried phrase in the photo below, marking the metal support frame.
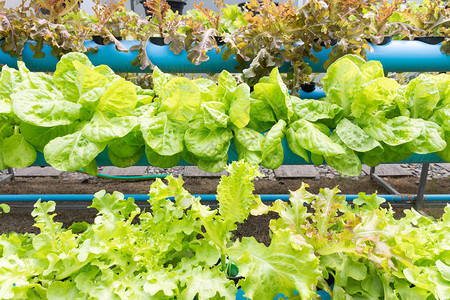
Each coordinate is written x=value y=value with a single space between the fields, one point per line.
x=380 y=180
x=422 y=184
x=10 y=175
x=419 y=198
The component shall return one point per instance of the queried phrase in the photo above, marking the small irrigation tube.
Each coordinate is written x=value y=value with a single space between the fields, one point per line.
x=134 y=178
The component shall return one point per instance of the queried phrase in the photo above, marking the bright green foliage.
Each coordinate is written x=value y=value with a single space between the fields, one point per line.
x=342 y=81
x=236 y=200
x=272 y=150
x=164 y=255
x=44 y=108
x=70 y=152
x=72 y=115
x=162 y=135
x=348 y=162
x=203 y=142
x=354 y=137
x=240 y=106
x=283 y=267
x=368 y=253
x=423 y=96
x=235 y=203
x=173 y=250
x=431 y=138
x=41 y=136
x=158 y=160
x=375 y=96
x=276 y=94
x=5 y=208
x=65 y=76
x=314 y=110
x=384 y=121
x=311 y=137
x=17 y=152
x=248 y=144
x=79 y=111
x=395 y=131
x=181 y=100
x=207 y=284
x=9 y=78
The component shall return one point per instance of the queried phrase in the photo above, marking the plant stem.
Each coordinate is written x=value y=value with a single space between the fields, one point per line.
x=223 y=260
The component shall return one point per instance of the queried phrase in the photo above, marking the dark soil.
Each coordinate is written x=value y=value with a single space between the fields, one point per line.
x=20 y=219
x=54 y=185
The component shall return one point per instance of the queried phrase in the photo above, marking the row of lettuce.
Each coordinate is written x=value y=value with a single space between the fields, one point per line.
x=177 y=250
x=74 y=114
x=266 y=33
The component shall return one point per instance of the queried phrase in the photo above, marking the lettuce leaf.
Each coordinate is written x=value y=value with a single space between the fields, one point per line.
x=44 y=108
x=17 y=152
x=71 y=152
x=272 y=148
x=348 y=163
x=395 y=131
x=275 y=93
x=119 y=98
x=240 y=106
x=354 y=137
x=314 y=110
x=249 y=144
x=283 y=267
x=375 y=97
x=423 y=96
x=206 y=143
x=314 y=140
x=161 y=161
x=342 y=83
x=66 y=75
x=181 y=100
x=41 y=136
x=105 y=127
x=431 y=138
x=162 y=135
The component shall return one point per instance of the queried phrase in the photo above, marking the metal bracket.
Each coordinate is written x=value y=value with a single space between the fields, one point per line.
x=380 y=180
x=10 y=175
x=419 y=198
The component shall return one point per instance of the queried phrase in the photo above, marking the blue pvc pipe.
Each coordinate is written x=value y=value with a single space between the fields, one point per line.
x=204 y=197
x=289 y=158
x=169 y=62
x=396 y=56
x=410 y=56
x=120 y=61
x=5 y=59
x=316 y=94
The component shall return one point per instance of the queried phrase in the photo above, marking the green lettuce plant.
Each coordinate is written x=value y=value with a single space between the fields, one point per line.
x=206 y=29
x=276 y=35
x=170 y=251
x=383 y=22
x=427 y=18
x=363 y=250
x=81 y=110
x=178 y=249
x=381 y=120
